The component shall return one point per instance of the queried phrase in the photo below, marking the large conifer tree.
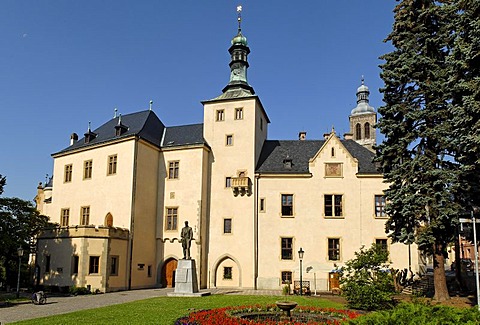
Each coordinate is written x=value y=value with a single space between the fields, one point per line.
x=465 y=85
x=415 y=155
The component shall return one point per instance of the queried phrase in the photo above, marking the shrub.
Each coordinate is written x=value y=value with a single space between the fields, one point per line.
x=76 y=291
x=366 y=282
x=417 y=313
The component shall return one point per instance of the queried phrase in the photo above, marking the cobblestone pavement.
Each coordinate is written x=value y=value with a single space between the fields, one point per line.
x=63 y=305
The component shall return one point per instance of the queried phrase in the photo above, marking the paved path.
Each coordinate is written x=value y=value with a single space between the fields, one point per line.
x=63 y=305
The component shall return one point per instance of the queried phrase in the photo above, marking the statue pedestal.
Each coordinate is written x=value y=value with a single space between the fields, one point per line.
x=186 y=284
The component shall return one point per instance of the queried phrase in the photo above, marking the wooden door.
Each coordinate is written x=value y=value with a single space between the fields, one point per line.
x=169 y=269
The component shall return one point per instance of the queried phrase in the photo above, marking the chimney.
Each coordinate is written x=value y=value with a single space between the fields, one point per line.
x=302 y=135
x=326 y=136
x=73 y=138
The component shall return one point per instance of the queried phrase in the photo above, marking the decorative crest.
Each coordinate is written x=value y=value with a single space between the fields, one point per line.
x=89 y=124
x=151 y=103
x=115 y=114
x=363 y=80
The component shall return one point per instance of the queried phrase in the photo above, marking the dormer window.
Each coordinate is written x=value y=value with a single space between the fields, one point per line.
x=287 y=163
x=120 y=128
x=89 y=136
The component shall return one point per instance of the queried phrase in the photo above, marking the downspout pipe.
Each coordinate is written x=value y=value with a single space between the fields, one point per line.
x=255 y=231
x=132 y=215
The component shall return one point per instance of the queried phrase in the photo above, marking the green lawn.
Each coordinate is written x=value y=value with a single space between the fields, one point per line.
x=165 y=310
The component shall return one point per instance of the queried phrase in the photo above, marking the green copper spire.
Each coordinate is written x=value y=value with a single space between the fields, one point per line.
x=238 y=65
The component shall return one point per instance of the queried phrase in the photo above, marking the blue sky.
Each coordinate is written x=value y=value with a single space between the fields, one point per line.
x=65 y=63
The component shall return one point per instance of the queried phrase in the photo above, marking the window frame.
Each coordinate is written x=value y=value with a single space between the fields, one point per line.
x=113 y=266
x=239 y=113
x=286 y=251
x=229 y=140
x=228 y=182
x=285 y=206
x=94 y=264
x=220 y=115
x=262 y=207
x=384 y=244
x=75 y=264
x=68 y=172
x=227 y=273
x=171 y=218
x=85 y=215
x=87 y=169
x=286 y=277
x=64 y=217
x=225 y=227
x=174 y=169
x=332 y=250
x=333 y=206
x=112 y=165
x=379 y=209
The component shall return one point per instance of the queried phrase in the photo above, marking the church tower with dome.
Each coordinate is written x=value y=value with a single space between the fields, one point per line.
x=363 y=119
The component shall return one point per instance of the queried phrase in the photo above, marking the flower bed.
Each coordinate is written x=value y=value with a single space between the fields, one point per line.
x=267 y=315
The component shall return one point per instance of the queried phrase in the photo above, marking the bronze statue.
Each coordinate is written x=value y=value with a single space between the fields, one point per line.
x=187 y=236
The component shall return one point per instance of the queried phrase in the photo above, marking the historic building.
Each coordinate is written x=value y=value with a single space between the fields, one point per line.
x=121 y=194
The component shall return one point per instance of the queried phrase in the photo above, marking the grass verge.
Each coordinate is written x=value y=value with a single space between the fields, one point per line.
x=165 y=310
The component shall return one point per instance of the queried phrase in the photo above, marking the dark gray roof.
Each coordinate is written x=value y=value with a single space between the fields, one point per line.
x=275 y=152
x=183 y=135
x=144 y=124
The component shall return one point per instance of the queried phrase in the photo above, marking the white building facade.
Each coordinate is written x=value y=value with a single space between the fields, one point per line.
x=121 y=195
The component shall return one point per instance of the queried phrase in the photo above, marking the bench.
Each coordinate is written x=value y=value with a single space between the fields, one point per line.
x=305 y=288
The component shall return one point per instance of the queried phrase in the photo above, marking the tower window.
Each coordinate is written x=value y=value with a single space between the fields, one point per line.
x=171 y=219
x=112 y=165
x=68 y=173
x=220 y=115
x=358 y=131
x=239 y=113
x=287 y=204
x=367 y=130
x=87 y=169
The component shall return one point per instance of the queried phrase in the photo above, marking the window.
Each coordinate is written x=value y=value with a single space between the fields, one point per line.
x=382 y=243
x=287 y=204
x=47 y=263
x=358 y=131
x=68 y=173
x=94 y=264
x=262 y=205
x=85 y=216
x=287 y=248
x=171 y=219
x=380 y=206
x=333 y=249
x=112 y=165
x=109 y=220
x=64 y=217
x=87 y=169
x=114 y=265
x=149 y=271
x=286 y=277
x=227 y=273
x=367 y=130
x=220 y=115
x=239 y=113
x=75 y=261
x=229 y=140
x=261 y=124
x=228 y=182
x=333 y=152
x=173 y=168
x=227 y=226
x=333 y=205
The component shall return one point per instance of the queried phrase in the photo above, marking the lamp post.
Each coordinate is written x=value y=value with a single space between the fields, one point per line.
x=20 y=254
x=300 y=256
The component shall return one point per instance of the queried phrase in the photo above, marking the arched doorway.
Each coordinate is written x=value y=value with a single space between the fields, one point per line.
x=227 y=273
x=168 y=272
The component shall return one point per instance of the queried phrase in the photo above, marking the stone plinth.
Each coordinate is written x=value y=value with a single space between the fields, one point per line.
x=186 y=284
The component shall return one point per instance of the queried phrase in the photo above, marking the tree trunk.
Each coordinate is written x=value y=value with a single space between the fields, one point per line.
x=439 y=279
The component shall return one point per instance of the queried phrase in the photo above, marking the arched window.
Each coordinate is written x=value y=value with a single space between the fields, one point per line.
x=367 y=130
x=333 y=152
x=358 y=131
x=109 y=220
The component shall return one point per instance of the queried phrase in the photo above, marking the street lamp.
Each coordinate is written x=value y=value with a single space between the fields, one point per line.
x=20 y=254
x=300 y=256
